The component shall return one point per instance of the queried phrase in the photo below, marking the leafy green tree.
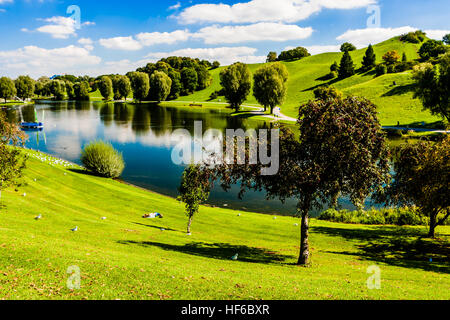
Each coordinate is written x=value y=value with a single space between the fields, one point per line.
x=160 y=85
x=215 y=65
x=121 y=87
x=70 y=90
x=57 y=88
x=140 y=83
x=325 y=93
x=7 y=88
x=347 y=47
x=446 y=39
x=203 y=77
x=25 y=87
x=432 y=49
x=270 y=85
x=294 y=54
x=326 y=159
x=189 y=80
x=81 y=91
x=433 y=86
x=101 y=158
x=347 y=67
x=422 y=178
x=369 y=60
x=194 y=190
x=334 y=67
x=236 y=81
x=404 y=57
x=12 y=161
x=272 y=57
x=105 y=85
x=175 y=89
x=381 y=69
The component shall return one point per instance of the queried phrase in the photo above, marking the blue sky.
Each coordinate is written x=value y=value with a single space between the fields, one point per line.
x=39 y=38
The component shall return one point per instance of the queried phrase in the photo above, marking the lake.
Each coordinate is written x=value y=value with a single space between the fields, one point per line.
x=143 y=134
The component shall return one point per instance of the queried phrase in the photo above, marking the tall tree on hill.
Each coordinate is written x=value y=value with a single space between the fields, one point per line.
x=272 y=57
x=236 y=81
x=370 y=59
x=347 y=67
x=446 y=39
x=270 y=85
x=140 y=84
x=189 y=80
x=346 y=47
x=81 y=91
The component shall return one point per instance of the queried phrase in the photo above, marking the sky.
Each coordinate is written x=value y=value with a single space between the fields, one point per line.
x=48 y=37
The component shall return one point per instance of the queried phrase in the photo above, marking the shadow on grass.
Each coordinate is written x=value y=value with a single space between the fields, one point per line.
x=85 y=172
x=220 y=251
x=155 y=227
x=396 y=246
x=399 y=90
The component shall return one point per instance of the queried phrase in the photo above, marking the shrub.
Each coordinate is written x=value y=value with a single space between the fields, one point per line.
x=381 y=69
x=386 y=216
x=390 y=68
x=101 y=158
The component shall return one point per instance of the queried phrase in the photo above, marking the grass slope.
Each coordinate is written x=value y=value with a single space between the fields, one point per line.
x=127 y=257
x=395 y=103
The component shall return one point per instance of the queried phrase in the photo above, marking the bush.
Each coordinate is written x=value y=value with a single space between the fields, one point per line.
x=101 y=158
x=381 y=69
x=390 y=68
x=387 y=216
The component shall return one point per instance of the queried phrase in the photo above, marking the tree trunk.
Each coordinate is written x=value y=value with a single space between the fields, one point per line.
x=433 y=225
x=303 y=260
x=189 y=225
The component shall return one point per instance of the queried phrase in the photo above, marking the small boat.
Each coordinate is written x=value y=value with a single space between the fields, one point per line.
x=32 y=125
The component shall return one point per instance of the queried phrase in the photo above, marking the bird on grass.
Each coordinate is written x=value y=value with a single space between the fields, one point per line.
x=235 y=257
x=74 y=229
x=39 y=217
x=104 y=218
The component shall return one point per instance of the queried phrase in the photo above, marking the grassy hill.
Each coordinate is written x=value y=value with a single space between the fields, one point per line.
x=396 y=103
x=128 y=257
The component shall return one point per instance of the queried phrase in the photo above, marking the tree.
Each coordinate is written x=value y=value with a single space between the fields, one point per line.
x=140 y=84
x=432 y=49
x=105 y=85
x=12 y=161
x=404 y=57
x=369 y=60
x=189 y=79
x=194 y=190
x=272 y=57
x=347 y=67
x=215 y=65
x=325 y=93
x=203 y=77
x=293 y=54
x=341 y=150
x=391 y=57
x=160 y=85
x=270 y=86
x=70 y=90
x=175 y=89
x=433 y=86
x=236 y=81
x=81 y=91
x=122 y=87
x=7 y=88
x=347 y=47
x=25 y=87
x=422 y=178
x=334 y=67
x=57 y=88
x=446 y=39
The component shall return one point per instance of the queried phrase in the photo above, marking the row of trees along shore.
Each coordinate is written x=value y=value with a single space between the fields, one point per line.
x=165 y=80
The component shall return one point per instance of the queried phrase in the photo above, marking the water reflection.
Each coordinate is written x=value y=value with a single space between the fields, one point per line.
x=143 y=134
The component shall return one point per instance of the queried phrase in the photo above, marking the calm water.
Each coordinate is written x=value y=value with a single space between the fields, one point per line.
x=143 y=134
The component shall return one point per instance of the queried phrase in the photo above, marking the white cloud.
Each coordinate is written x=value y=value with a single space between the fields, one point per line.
x=175 y=6
x=225 y=55
x=436 y=34
x=60 y=27
x=363 y=37
x=121 y=43
x=322 y=49
x=264 y=10
x=254 y=32
x=87 y=43
x=153 y=38
x=37 y=61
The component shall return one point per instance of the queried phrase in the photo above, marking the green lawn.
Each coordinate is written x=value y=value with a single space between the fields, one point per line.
x=127 y=257
x=395 y=103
